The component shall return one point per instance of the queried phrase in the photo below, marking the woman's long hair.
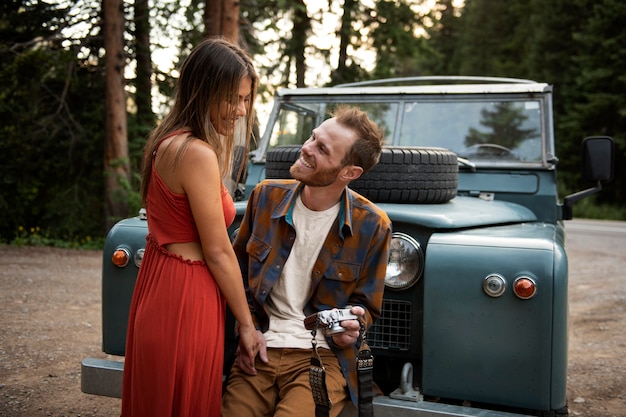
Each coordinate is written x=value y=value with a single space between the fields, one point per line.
x=209 y=78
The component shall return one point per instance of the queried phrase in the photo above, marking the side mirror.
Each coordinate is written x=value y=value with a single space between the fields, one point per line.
x=597 y=167
x=598 y=158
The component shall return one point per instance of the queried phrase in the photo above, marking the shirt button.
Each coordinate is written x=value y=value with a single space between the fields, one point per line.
x=317 y=272
x=340 y=275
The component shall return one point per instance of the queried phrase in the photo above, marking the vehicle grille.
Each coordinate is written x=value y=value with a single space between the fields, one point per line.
x=392 y=330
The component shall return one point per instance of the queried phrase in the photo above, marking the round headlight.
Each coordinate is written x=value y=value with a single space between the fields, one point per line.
x=406 y=262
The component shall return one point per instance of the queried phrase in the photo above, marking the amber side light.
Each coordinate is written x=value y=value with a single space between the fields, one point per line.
x=524 y=288
x=120 y=257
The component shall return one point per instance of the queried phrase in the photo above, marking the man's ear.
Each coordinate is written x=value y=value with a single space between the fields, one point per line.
x=351 y=172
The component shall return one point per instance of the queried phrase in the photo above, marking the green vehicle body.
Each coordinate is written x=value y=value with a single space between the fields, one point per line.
x=457 y=341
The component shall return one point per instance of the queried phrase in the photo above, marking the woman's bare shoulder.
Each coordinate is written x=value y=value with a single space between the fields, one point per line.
x=198 y=151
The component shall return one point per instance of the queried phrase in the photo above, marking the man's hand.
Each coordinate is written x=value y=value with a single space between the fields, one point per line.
x=246 y=362
x=353 y=327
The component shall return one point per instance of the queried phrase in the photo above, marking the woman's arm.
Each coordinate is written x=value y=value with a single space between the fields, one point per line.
x=199 y=175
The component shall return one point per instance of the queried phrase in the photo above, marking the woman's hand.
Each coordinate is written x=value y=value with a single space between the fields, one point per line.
x=251 y=343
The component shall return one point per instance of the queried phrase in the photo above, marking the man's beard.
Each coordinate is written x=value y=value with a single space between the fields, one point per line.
x=315 y=179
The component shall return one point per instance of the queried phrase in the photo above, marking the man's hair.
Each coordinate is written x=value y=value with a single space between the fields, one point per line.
x=365 y=152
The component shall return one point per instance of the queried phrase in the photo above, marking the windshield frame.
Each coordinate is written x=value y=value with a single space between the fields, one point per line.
x=292 y=100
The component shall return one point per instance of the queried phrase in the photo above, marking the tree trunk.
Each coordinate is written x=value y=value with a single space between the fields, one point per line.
x=345 y=33
x=143 y=97
x=301 y=28
x=213 y=18
x=221 y=18
x=116 y=164
x=230 y=20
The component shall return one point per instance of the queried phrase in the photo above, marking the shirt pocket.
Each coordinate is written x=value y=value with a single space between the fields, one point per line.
x=343 y=272
x=340 y=281
x=258 y=249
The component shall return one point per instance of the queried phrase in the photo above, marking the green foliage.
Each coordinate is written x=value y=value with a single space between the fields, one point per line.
x=443 y=34
x=34 y=236
x=399 y=51
x=489 y=45
x=51 y=155
x=51 y=152
x=592 y=208
x=601 y=83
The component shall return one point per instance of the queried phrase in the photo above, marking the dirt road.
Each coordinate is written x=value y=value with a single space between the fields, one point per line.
x=597 y=336
x=50 y=320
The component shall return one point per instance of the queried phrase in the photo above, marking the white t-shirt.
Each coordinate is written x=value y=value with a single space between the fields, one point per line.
x=289 y=294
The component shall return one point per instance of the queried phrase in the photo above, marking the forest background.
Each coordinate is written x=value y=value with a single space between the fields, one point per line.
x=83 y=82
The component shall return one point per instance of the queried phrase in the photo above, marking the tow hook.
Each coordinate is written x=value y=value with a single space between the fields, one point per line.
x=406 y=391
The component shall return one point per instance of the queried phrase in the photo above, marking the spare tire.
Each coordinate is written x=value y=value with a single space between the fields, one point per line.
x=404 y=174
x=279 y=159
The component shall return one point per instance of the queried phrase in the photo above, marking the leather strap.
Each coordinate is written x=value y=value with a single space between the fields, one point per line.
x=365 y=373
x=317 y=378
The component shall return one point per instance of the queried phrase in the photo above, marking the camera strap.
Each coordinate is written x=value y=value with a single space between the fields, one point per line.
x=365 y=373
x=365 y=368
x=317 y=379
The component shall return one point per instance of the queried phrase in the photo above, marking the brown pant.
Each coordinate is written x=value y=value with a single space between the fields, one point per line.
x=281 y=387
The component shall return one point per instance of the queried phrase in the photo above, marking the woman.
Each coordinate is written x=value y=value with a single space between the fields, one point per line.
x=175 y=340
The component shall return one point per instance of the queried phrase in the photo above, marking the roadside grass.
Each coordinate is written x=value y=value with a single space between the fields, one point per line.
x=589 y=209
x=34 y=236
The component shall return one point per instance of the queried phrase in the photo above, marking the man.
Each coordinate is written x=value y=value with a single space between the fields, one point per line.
x=304 y=246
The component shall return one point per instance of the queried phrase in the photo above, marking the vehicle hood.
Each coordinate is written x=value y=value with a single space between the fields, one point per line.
x=460 y=212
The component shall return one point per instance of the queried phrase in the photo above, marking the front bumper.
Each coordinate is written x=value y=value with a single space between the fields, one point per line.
x=104 y=377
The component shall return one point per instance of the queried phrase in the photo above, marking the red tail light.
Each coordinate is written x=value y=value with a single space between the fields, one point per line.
x=120 y=257
x=525 y=288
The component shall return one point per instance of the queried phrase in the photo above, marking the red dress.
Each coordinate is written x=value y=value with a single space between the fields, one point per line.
x=175 y=339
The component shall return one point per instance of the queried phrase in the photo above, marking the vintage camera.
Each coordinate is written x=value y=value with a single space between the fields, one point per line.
x=329 y=320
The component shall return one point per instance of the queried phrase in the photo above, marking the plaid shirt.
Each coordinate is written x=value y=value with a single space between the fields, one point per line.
x=350 y=268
